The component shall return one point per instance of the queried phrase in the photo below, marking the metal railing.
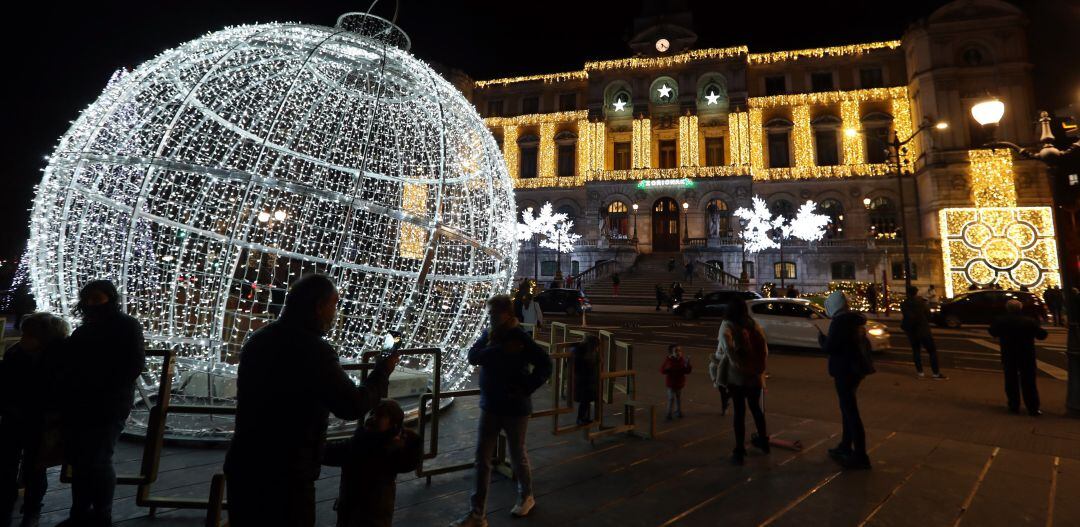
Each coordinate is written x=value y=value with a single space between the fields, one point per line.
x=598 y=270
x=715 y=273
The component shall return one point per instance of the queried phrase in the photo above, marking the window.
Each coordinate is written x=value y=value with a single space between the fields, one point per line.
x=877 y=140
x=835 y=211
x=617 y=220
x=495 y=108
x=782 y=207
x=827 y=152
x=530 y=105
x=748 y=268
x=871 y=78
x=821 y=81
x=843 y=270
x=973 y=57
x=719 y=218
x=568 y=210
x=667 y=154
x=785 y=270
x=575 y=267
x=778 y=150
x=898 y=270
x=527 y=156
x=622 y=155
x=566 y=160
x=775 y=85
x=883 y=218
x=547 y=268
x=714 y=151
x=567 y=102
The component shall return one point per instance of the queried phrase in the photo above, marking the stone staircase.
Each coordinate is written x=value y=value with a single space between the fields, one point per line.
x=638 y=282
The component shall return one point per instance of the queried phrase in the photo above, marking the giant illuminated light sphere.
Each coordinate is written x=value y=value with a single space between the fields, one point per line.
x=207 y=179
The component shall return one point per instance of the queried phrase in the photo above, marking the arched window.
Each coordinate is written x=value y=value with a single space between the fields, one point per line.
x=618 y=99
x=843 y=270
x=782 y=207
x=876 y=128
x=528 y=146
x=835 y=211
x=568 y=210
x=785 y=270
x=719 y=218
x=778 y=139
x=883 y=218
x=664 y=90
x=617 y=222
x=827 y=140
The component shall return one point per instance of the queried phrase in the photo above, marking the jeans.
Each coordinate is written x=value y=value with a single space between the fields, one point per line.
x=674 y=401
x=1020 y=379
x=93 y=479
x=743 y=397
x=919 y=341
x=12 y=445
x=515 y=428
x=854 y=436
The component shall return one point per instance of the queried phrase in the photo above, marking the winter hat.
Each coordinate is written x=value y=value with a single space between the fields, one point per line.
x=836 y=303
x=1014 y=306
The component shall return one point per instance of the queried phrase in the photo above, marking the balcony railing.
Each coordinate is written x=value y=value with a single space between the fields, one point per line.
x=715 y=273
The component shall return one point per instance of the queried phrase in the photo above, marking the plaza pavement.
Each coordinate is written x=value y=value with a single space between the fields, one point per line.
x=944 y=453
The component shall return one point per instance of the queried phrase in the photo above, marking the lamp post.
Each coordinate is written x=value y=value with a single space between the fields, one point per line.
x=898 y=148
x=635 y=222
x=686 y=221
x=1064 y=167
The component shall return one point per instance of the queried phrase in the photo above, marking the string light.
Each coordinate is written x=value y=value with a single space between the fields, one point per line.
x=170 y=185
x=668 y=61
x=688 y=141
x=851 y=120
x=545 y=78
x=991 y=177
x=547 y=149
x=833 y=51
x=510 y=151
x=641 y=143
x=902 y=126
x=829 y=97
x=739 y=137
x=802 y=137
x=631 y=175
x=538 y=118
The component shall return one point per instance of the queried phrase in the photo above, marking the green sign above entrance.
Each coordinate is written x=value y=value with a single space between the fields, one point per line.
x=665 y=183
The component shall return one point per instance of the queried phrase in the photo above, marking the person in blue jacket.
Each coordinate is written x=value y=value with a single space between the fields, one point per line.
x=512 y=367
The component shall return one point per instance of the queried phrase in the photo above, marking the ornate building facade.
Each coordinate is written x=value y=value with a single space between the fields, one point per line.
x=655 y=152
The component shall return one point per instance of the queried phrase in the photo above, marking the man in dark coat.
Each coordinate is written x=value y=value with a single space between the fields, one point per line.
x=586 y=361
x=1055 y=302
x=916 y=324
x=103 y=359
x=505 y=354
x=1016 y=334
x=289 y=381
x=847 y=332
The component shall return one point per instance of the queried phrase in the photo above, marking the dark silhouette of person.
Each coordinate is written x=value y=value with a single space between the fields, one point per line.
x=288 y=382
x=660 y=296
x=792 y=292
x=671 y=264
x=844 y=347
x=676 y=292
x=29 y=421
x=1055 y=302
x=916 y=324
x=1016 y=334
x=689 y=272
x=871 y=297
x=103 y=358
x=370 y=461
x=586 y=370
x=742 y=351
x=512 y=367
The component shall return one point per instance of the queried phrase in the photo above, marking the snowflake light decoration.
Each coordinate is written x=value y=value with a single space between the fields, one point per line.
x=762 y=230
x=208 y=178
x=758 y=221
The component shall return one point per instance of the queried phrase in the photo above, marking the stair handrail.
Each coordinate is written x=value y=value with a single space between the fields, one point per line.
x=716 y=273
x=596 y=271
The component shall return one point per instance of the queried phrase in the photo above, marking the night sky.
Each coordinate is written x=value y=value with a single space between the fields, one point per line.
x=58 y=60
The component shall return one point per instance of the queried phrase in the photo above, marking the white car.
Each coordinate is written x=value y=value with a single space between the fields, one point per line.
x=798 y=322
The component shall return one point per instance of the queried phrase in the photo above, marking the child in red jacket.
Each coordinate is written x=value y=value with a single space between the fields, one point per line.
x=675 y=368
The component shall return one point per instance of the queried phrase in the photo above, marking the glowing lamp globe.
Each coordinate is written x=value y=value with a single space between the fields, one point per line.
x=988 y=112
x=207 y=179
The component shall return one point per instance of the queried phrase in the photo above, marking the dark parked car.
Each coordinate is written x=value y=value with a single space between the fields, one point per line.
x=711 y=305
x=559 y=300
x=981 y=307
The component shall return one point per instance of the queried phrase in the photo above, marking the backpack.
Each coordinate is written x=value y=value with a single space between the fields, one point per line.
x=752 y=349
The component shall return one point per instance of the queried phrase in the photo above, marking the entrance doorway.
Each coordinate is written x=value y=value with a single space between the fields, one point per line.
x=665 y=225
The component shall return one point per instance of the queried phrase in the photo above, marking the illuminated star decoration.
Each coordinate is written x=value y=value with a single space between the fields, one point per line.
x=619 y=105
x=664 y=91
x=712 y=97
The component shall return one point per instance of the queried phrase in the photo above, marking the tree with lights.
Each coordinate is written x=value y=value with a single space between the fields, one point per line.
x=762 y=230
x=550 y=230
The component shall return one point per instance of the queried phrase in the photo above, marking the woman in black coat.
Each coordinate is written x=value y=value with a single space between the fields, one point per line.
x=585 y=376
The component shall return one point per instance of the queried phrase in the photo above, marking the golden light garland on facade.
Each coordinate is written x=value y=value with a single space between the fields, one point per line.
x=1008 y=246
x=538 y=118
x=632 y=175
x=546 y=78
x=584 y=147
x=688 y=141
x=510 y=150
x=854 y=146
x=641 y=145
x=829 y=97
x=832 y=51
x=667 y=62
x=802 y=137
x=755 y=133
x=739 y=138
x=599 y=146
x=413 y=237
x=991 y=177
x=903 y=127
x=817 y=172
x=547 y=149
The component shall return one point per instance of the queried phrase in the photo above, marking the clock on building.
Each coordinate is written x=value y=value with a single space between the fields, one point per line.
x=662 y=45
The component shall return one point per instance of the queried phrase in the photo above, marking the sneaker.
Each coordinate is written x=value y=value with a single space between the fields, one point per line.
x=855 y=462
x=761 y=443
x=1034 y=413
x=738 y=457
x=470 y=520
x=840 y=452
x=920 y=375
x=940 y=377
x=523 y=507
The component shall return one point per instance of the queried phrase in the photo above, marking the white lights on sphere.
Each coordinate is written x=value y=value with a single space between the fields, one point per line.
x=207 y=179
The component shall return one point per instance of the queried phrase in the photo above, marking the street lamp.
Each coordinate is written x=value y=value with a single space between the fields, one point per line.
x=635 y=222
x=899 y=148
x=536 y=249
x=1063 y=167
x=686 y=221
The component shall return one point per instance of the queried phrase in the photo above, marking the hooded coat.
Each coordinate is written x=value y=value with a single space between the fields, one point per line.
x=841 y=344
x=512 y=367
